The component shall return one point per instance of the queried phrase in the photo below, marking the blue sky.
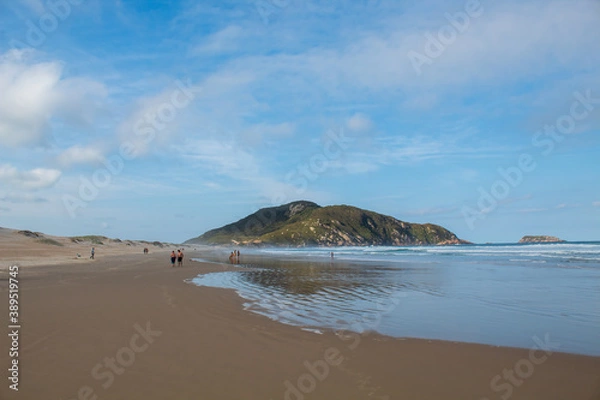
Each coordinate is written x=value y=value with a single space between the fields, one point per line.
x=481 y=116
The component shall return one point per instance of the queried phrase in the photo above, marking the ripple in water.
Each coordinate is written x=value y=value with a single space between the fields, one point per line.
x=317 y=296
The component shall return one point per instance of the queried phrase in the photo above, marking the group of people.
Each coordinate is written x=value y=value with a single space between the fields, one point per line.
x=177 y=257
x=174 y=256
x=234 y=257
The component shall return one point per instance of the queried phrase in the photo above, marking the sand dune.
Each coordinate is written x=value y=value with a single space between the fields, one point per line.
x=35 y=248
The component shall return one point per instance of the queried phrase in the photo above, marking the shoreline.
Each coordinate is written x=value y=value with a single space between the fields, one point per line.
x=226 y=267
x=77 y=317
x=195 y=256
x=385 y=314
x=317 y=330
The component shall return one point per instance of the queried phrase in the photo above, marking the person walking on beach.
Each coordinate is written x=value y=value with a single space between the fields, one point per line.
x=173 y=257
x=180 y=258
x=92 y=254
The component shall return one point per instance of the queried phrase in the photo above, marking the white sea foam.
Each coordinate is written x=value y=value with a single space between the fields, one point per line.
x=566 y=252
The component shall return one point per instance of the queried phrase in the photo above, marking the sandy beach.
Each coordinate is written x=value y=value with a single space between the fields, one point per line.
x=376 y=200
x=29 y=248
x=128 y=326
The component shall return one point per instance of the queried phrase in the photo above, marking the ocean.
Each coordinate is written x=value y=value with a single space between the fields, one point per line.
x=498 y=294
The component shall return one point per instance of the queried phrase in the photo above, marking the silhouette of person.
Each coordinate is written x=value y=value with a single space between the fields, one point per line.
x=180 y=258
x=173 y=258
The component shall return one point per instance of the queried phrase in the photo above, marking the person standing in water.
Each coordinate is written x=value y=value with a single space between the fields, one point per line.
x=173 y=257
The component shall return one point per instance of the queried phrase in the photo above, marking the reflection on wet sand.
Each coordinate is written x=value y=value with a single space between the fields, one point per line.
x=487 y=294
x=337 y=279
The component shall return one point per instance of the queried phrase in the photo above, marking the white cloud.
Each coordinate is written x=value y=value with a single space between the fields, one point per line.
x=19 y=198
x=225 y=40
x=533 y=210
x=596 y=204
x=421 y=101
x=27 y=98
x=80 y=155
x=256 y=134
x=417 y=148
x=35 y=5
x=516 y=37
x=223 y=156
x=219 y=103
x=468 y=175
x=226 y=158
x=35 y=92
x=421 y=147
x=359 y=123
x=432 y=211
x=37 y=178
x=353 y=166
x=561 y=206
x=156 y=119
x=407 y=150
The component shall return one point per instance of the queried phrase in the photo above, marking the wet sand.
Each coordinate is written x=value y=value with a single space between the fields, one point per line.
x=128 y=327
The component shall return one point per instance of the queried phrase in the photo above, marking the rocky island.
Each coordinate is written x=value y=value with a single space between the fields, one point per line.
x=540 y=239
x=304 y=223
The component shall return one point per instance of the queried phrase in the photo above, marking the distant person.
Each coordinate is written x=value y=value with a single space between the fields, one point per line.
x=332 y=254
x=238 y=255
x=180 y=258
x=92 y=253
x=173 y=258
x=232 y=257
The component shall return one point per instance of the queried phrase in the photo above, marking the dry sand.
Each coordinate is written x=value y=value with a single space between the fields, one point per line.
x=79 y=314
x=34 y=248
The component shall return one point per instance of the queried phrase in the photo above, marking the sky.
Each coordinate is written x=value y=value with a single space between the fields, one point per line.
x=160 y=120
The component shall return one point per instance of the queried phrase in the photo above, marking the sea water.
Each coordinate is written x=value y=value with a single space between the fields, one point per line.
x=492 y=294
